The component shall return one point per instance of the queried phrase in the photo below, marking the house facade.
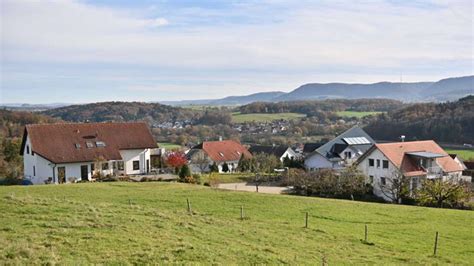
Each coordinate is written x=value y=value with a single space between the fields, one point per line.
x=223 y=151
x=341 y=151
x=281 y=152
x=417 y=161
x=70 y=152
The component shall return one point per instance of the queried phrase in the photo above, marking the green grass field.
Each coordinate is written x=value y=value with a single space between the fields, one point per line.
x=169 y=146
x=464 y=154
x=229 y=178
x=138 y=223
x=258 y=117
x=356 y=114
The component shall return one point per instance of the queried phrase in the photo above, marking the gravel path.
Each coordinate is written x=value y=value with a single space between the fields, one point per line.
x=269 y=189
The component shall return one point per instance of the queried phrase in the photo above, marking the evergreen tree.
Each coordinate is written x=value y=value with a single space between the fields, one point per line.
x=225 y=167
x=184 y=172
x=214 y=168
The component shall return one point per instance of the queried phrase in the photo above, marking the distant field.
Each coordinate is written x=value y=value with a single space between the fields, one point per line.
x=356 y=114
x=147 y=223
x=464 y=154
x=169 y=146
x=259 y=117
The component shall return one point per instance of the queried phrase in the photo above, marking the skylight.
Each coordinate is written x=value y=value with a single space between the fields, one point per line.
x=100 y=144
x=221 y=154
x=89 y=145
x=356 y=140
x=78 y=146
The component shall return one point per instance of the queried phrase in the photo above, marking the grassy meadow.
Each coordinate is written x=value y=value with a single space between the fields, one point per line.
x=169 y=146
x=464 y=154
x=148 y=223
x=356 y=114
x=264 y=117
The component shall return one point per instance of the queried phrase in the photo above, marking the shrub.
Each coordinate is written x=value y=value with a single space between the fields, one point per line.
x=213 y=180
x=213 y=168
x=184 y=172
x=197 y=178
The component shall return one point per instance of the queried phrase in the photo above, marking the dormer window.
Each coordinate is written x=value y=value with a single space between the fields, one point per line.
x=89 y=145
x=100 y=144
x=77 y=145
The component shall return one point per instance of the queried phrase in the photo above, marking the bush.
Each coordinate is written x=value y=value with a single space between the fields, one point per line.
x=213 y=180
x=184 y=172
x=213 y=168
x=197 y=178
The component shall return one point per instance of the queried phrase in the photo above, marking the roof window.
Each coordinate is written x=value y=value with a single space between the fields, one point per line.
x=221 y=154
x=78 y=146
x=100 y=144
x=89 y=145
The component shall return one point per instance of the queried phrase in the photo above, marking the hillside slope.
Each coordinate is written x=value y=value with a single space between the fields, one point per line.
x=147 y=223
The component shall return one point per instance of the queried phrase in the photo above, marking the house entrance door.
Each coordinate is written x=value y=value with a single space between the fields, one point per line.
x=84 y=172
x=62 y=174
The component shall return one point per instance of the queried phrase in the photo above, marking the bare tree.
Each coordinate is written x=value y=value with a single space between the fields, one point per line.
x=201 y=161
x=396 y=187
x=441 y=193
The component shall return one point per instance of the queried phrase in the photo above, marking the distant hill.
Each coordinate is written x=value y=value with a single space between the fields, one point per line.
x=444 y=90
x=451 y=122
x=230 y=100
x=121 y=111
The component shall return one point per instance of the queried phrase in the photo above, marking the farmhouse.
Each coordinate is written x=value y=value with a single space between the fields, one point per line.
x=386 y=163
x=69 y=152
x=341 y=151
x=219 y=152
x=281 y=152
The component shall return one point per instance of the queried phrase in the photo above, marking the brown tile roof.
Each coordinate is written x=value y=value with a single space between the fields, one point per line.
x=57 y=142
x=226 y=150
x=396 y=153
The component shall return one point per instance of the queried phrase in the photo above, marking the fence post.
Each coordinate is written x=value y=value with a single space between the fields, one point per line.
x=366 y=233
x=241 y=212
x=435 y=244
x=189 y=206
x=306 y=220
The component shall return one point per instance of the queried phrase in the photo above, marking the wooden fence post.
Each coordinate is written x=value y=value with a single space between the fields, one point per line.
x=241 y=212
x=435 y=244
x=189 y=206
x=366 y=233
x=306 y=220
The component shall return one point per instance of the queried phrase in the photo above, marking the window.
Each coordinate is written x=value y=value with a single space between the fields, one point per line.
x=383 y=181
x=92 y=168
x=348 y=154
x=221 y=154
x=27 y=149
x=371 y=179
x=136 y=165
x=120 y=165
x=78 y=146
x=105 y=166
x=114 y=165
x=100 y=144
x=89 y=145
x=385 y=164
x=371 y=162
x=378 y=163
x=34 y=170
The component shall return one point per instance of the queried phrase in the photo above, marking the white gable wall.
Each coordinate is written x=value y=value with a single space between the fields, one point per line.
x=317 y=161
x=290 y=153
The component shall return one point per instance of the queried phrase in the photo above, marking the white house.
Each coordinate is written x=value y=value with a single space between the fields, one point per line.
x=281 y=152
x=219 y=152
x=341 y=151
x=415 y=160
x=69 y=152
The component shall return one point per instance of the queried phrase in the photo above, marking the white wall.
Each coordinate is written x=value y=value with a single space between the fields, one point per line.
x=290 y=153
x=317 y=161
x=129 y=156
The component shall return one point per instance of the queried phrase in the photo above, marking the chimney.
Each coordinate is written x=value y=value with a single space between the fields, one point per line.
x=220 y=138
x=402 y=138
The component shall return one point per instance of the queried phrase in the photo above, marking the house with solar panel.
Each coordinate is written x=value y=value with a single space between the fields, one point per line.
x=70 y=152
x=340 y=152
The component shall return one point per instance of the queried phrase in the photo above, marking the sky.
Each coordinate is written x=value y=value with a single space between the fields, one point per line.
x=157 y=50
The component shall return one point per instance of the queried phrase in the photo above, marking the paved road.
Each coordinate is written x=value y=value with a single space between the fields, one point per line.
x=269 y=189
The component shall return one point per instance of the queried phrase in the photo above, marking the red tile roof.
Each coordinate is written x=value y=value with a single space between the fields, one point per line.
x=396 y=153
x=224 y=151
x=57 y=142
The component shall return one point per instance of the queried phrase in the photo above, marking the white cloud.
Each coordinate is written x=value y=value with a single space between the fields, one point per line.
x=249 y=46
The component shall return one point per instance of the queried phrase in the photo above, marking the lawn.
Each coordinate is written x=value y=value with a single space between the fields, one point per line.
x=467 y=155
x=229 y=178
x=264 y=117
x=356 y=114
x=169 y=146
x=138 y=223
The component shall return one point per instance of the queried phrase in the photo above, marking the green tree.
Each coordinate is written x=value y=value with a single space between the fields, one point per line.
x=441 y=193
x=184 y=172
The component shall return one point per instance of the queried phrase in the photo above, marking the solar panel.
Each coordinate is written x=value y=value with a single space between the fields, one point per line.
x=356 y=140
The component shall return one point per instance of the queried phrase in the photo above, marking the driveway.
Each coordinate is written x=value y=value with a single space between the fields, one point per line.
x=249 y=187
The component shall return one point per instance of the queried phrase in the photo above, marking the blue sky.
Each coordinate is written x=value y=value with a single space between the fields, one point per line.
x=88 y=51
